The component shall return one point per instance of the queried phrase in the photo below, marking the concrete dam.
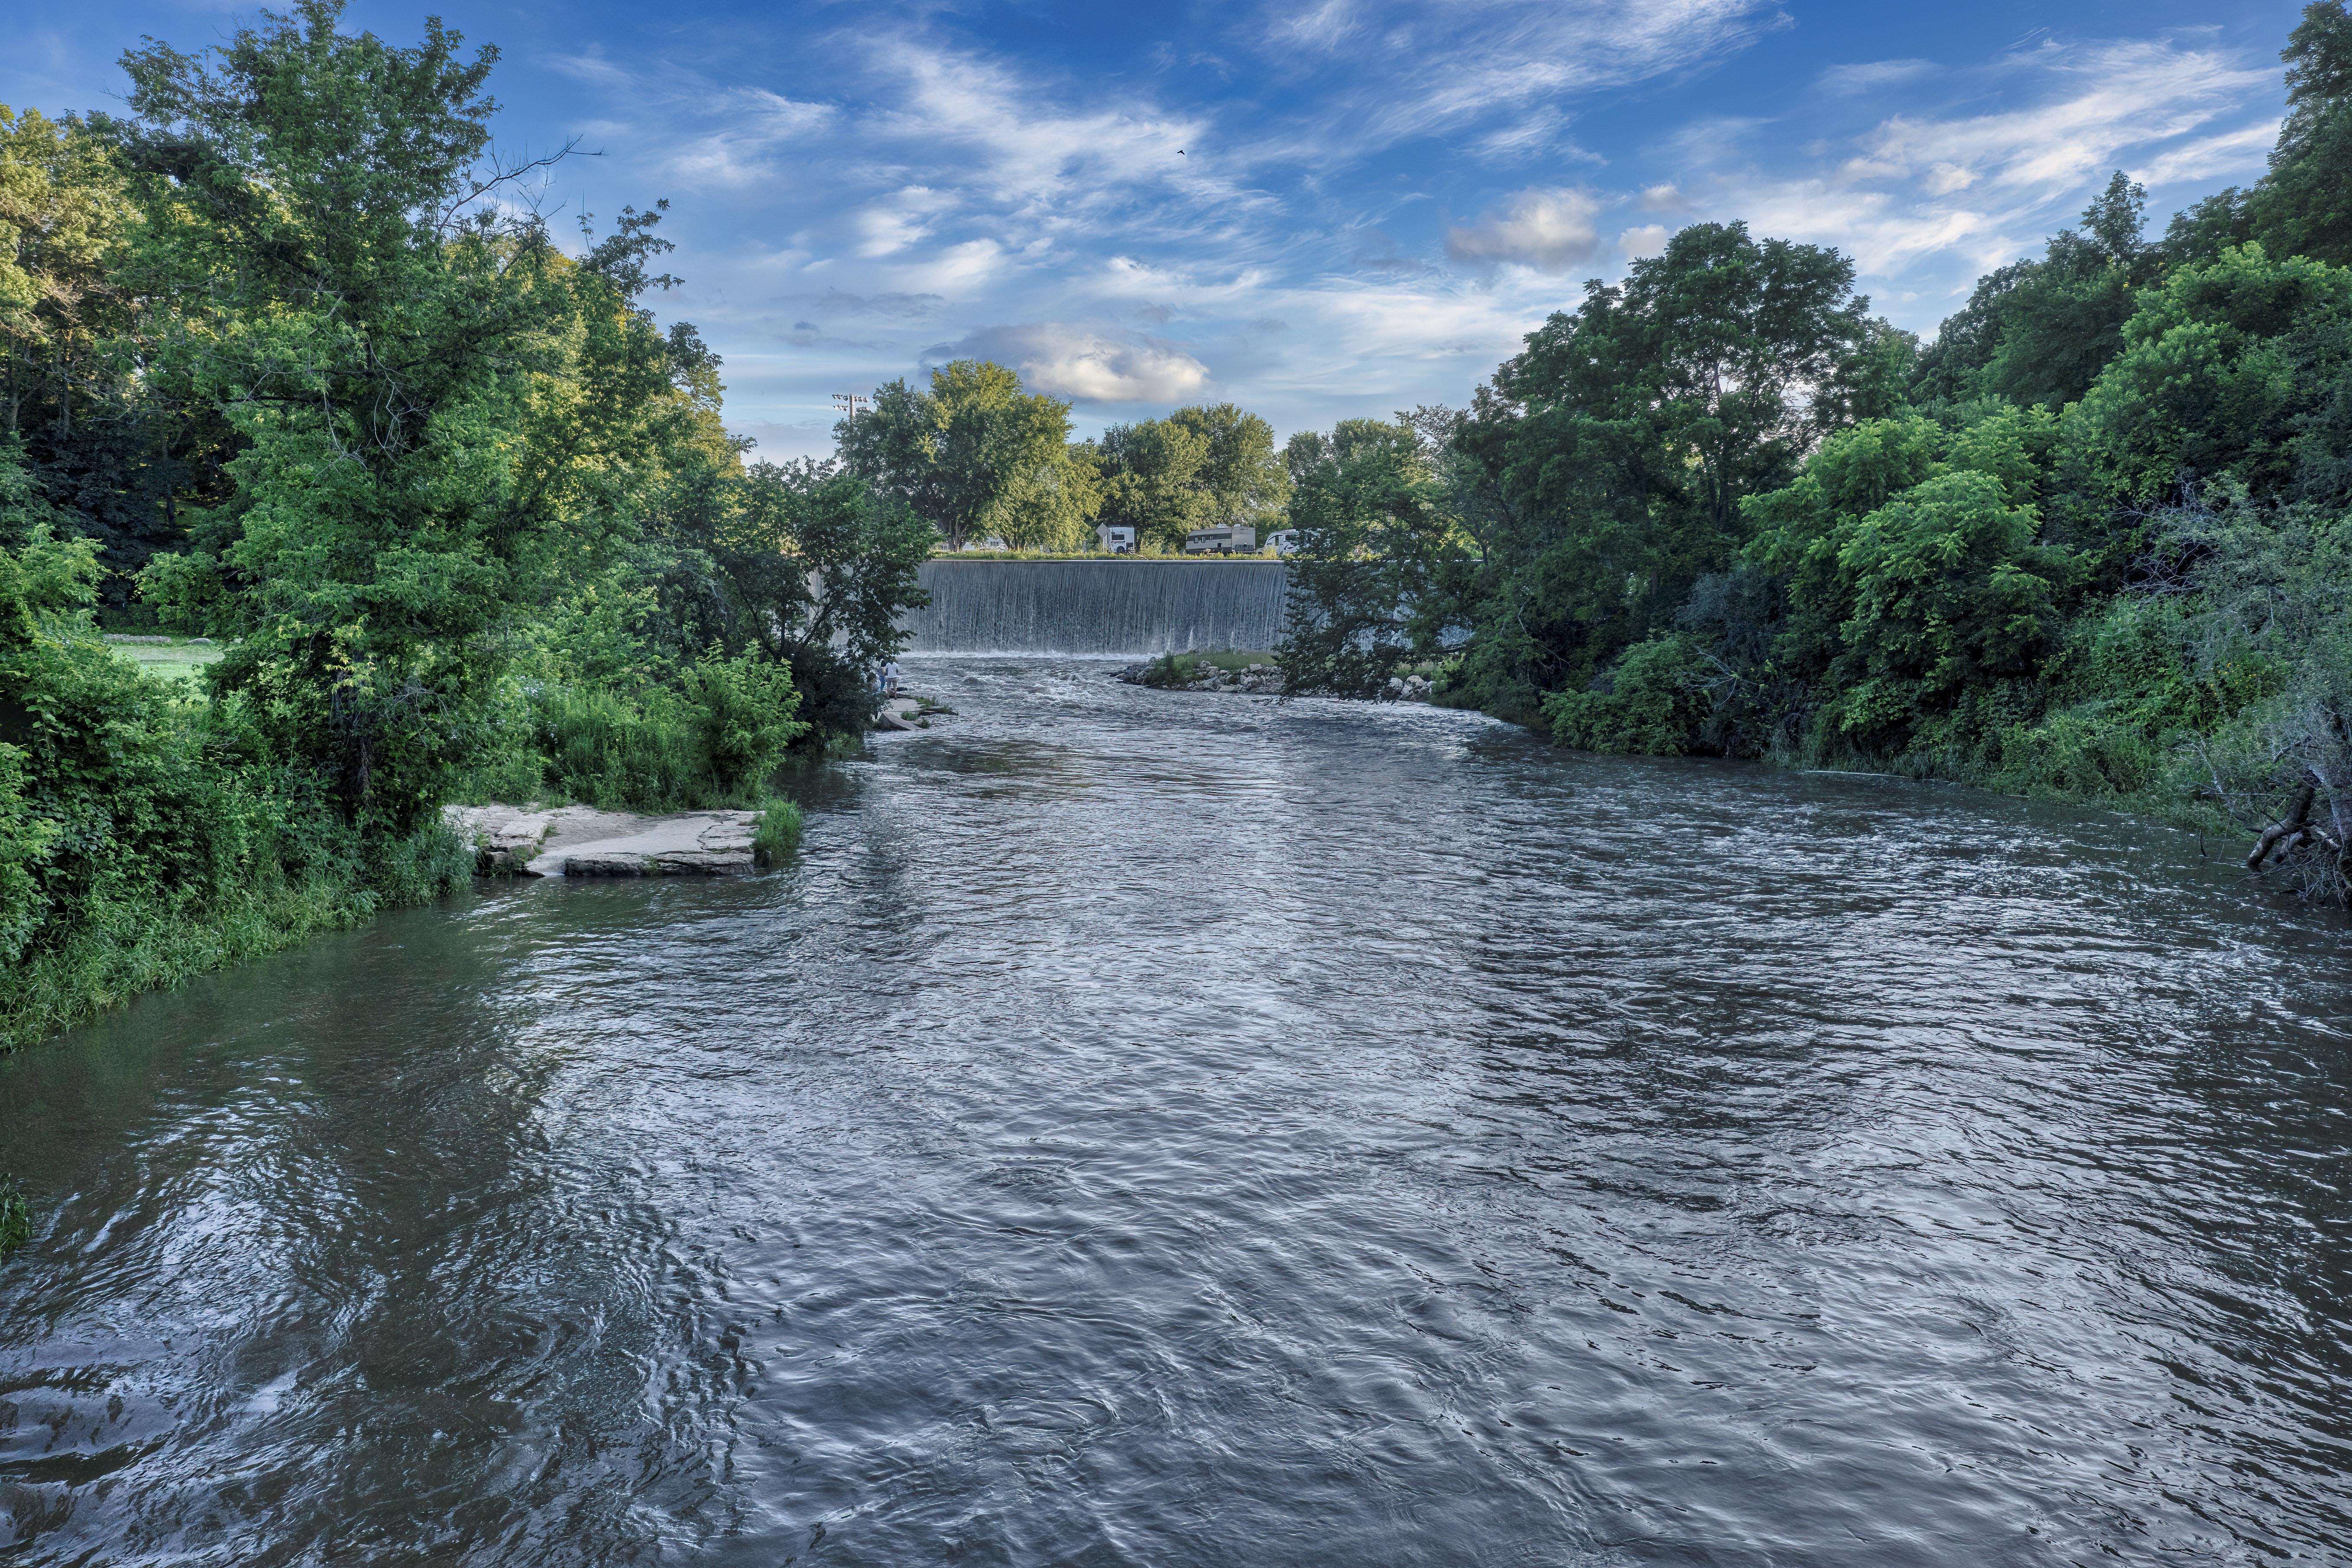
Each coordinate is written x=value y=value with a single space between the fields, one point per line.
x=1130 y=609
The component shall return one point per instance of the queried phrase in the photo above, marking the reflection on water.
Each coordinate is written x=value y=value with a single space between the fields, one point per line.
x=1160 y=1129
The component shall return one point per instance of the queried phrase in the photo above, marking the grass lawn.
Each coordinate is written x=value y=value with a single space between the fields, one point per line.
x=166 y=656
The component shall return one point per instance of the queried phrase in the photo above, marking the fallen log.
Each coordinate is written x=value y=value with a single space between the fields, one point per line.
x=2290 y=826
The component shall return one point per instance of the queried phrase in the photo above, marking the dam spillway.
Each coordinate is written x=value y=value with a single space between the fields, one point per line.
x=1131 y=609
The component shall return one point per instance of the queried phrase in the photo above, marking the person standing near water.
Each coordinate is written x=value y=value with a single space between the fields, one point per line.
x=889 y=678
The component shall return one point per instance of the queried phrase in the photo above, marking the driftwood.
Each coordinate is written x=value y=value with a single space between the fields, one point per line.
x=2289 y=827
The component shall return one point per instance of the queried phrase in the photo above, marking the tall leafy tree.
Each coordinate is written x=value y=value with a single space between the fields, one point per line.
x=1374 y=581
x=1241 y=478
x=2304 y=206
x=96 y=439
x=1617 y=448
x=2039 y=331
x=1151 y=477
x=378 y=338
x=975 y=456
x=818 y=573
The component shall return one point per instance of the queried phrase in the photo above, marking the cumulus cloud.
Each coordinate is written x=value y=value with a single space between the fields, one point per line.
x=1650 y=240
x=1085 y=363
x=1548 y=230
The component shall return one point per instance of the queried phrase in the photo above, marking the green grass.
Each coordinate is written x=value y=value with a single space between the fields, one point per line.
x=172 y=659
x=778 y=832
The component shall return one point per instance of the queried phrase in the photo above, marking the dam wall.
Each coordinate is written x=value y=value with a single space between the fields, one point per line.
x=1114 y=609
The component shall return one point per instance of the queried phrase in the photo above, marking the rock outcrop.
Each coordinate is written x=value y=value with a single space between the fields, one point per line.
x=1258 y=680
x=1262 y=680
x=581 y=841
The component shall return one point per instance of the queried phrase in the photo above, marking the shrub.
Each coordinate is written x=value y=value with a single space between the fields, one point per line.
x=778 y=832
x=1655 y=703
x=16 y=1218
x=713 y=739
x=146 y=834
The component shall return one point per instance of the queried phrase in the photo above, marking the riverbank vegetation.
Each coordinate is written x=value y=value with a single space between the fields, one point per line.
x=287 y=366
x=2094 y=542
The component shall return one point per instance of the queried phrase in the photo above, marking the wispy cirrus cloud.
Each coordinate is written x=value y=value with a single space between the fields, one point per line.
x=1500 y=71
x=1924 y=200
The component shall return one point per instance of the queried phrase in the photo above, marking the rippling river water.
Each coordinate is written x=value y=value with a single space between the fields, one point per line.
x=1163 y=1129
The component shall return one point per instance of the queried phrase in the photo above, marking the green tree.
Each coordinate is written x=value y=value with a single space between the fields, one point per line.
x=2240 y=368
x=63 y=224
x=374 y=347
x=820 y=572
x=96 y=441
x=1914 y=571
x=1241 y=478
x=2304 y=204
x=1374 y=581
x=1151 y=477
x=1616 y=449
x=976 y=456
x=2041 y=331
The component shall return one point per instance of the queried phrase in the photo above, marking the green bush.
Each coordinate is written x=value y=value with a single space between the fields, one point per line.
x=1655 y=703
x=16 y=1218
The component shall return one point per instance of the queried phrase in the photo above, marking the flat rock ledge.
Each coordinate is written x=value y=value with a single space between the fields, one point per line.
x=581 y=841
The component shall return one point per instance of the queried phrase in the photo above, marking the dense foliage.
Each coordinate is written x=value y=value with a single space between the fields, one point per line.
x=2093 y=541
x=285 y=368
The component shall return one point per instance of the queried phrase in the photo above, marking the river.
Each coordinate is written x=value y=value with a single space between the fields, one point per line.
x=1166 y=1129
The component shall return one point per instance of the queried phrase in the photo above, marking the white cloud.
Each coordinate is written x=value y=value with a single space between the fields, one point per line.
x=2240 y=151
x=1650 y=240
x=1417 y=70
x=2123 y=95
x=1923 y=202
x=1548 y=230
x=1081 y=362
x=891 y=224
x=1874 y=76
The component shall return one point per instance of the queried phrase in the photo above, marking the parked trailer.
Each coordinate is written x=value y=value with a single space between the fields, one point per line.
x=1221 y=541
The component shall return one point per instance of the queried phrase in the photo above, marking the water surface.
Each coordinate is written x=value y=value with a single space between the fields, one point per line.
x=1173 y=1128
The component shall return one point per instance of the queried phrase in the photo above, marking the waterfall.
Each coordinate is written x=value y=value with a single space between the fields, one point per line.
x=1123 y=608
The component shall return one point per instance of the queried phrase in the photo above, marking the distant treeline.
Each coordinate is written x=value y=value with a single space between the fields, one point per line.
x=2094 y=542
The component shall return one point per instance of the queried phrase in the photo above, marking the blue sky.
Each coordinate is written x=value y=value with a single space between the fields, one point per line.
x=1317 y=210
